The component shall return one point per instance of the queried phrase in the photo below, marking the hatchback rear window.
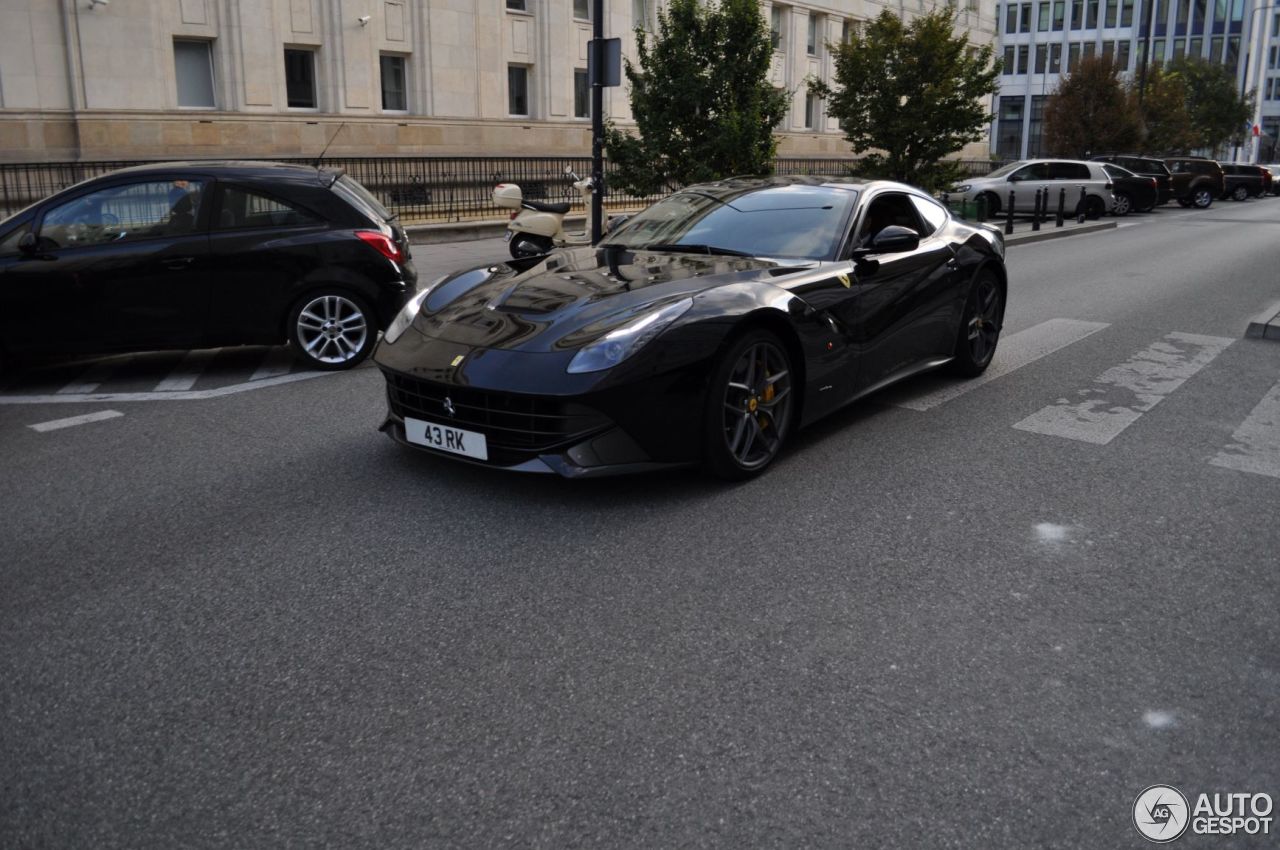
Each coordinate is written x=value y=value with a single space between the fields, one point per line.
x=361 y=198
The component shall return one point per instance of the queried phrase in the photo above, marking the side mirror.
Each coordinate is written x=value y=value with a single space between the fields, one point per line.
x=895 y=240
x=1013 y=178
x=28 y=243
x=614 y=222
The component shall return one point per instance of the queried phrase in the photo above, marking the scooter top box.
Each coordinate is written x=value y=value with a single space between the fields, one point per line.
x=507 y=195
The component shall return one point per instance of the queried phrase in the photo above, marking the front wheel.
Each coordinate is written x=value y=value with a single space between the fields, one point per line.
x=331 y=330
x=1201 y=199
x=747 y=412
x=529 y=245
x=1124 y=204
x=980 y=328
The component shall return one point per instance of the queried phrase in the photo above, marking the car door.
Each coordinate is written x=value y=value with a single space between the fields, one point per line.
x=117 y=267
x=1025 y=182
x=262 y=246
x=905 y=301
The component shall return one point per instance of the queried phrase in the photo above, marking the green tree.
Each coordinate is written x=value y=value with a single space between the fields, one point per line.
x=909 y=94
x=1166 y=124
x=1217 y=109
x=701 y=98
x=1090 y=112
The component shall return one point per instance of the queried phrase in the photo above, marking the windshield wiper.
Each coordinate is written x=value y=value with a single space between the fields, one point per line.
x=691 y=249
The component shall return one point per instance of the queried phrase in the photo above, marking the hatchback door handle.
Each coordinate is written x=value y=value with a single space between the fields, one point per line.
x=179 y=262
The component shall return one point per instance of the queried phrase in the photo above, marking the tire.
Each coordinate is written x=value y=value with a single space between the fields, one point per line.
x=1201 y=198
x=524 y=245
x=331 y=329
x=1184 y=203
x=747 y=412
x=1094 y=208
x=992 y=203
x=1239 y=193
x=979 y=332
x=1124 y=205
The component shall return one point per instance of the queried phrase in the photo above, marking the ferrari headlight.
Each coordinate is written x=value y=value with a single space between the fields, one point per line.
x=620 y=343
x=406 y=316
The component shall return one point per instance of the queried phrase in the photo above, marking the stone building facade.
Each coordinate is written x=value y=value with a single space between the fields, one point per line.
x=145 y=79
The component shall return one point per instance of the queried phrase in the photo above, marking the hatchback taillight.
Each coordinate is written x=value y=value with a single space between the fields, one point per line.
x=381 y=243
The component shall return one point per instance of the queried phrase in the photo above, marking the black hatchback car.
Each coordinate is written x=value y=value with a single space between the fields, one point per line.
x=196 y=254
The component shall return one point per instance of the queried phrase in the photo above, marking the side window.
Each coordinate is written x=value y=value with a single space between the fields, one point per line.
x=1175 y=167
x=1069 y=171
x=1112 y=171
x=9 y=241
x=243 y=208
x=888 y=209
x=1034 y=171
x=124 y=214
x=932 y=215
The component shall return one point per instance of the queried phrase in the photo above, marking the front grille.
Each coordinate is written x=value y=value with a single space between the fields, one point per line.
x=516 y=426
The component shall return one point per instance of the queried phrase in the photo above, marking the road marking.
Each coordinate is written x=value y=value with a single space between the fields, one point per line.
x=1123 y=393
x=277 y=361
x=188 y=371
x=72 y=421
x=1256 y=443
x=88 y=380
x=190 y=395
x=1014 y=352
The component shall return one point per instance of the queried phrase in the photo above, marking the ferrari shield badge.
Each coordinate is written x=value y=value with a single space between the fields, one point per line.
x=843 y=277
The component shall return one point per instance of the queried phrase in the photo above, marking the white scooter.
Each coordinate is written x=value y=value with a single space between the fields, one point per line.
x=539 y=227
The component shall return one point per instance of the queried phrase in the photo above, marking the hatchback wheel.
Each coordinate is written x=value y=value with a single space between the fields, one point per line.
x=1201 y=199
x=1124 y=205
x=332 y=330
x=748 y=406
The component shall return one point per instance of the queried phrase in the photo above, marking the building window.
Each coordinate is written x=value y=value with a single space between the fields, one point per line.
x=811 y=40
x=640 y=14
x=581 y=95
x=1042 y=51
x=1042 y=18
x=1179 y=47
x=1025 y=24
x=1126 y=13
x=1271 y=58
x=1197 y=21
x=1233 y=51
x=1036 y=123
x=1055 y=59
x=1122 y=55
x=395 y=96
x=582 y=9
x=1110 y=20
x=1011 y=17
x=810 y=111
x=776 y=14
x=1077 y=14
x=517 y=90
x=300 y=78
x=1183 y=9
x=1157 y=51
x=1193 y=47
x=517 y=5
x=1108 y=49
x=1022 y=58
x=1008 y=61
x=1059 y=14
x=1009 y=128
x=1220 y=15
x=193 y=69
x=1091 y=16
x=848 y=30
x=1087 y=50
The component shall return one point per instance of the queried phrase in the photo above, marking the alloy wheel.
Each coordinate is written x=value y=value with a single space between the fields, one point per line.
x=984 y=322
x=1240 y=193
x=332 y=329
x=1202 y=198
x=757 y=405
x=1123 y=204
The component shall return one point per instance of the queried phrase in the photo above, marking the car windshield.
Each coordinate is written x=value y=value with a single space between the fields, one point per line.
x=776 y=221
x=1007 y=169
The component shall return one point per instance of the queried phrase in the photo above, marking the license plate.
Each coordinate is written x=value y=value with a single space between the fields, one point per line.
x=446 y=438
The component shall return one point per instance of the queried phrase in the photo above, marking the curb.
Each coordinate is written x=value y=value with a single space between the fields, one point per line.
x=1266 y=325
x=1058 y=232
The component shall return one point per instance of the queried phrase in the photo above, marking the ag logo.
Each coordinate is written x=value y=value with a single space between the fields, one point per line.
x=1161 y=813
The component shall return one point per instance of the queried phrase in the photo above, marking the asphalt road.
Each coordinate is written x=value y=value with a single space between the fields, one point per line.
x=250 y=620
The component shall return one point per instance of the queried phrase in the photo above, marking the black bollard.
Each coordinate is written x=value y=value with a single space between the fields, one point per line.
x=1083 y=204
x=980 y=208
x=1062 y=202
x=1008 y=218
x=1035 y=212
x=946 y=201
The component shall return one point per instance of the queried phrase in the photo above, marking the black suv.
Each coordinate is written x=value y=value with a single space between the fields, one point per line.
x=199 y=254
x=1243 y=180
x=1144 y=166
x=1196 y=181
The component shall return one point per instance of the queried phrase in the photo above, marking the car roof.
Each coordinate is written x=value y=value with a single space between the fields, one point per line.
x=275 y=171
x=736 y=185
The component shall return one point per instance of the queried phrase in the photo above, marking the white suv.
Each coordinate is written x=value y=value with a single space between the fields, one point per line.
x=1025 y=177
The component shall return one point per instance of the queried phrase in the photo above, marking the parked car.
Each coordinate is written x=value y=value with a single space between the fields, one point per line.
x=707 y=329
x=1132 y=192
x=1243 y=180
x=1273 y=171
x=1026 y=177
x=195 y=254
x=1196 y=181
x=1144 y=166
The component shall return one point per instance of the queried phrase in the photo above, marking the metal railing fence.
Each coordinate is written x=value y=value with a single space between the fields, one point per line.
x=421 y=189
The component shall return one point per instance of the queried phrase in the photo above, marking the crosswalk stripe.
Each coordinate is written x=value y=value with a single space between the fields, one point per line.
x=88 y=380
x=187 y=372
x=72 y=421
x=1255 y=445
x=1014 y=352
x=277 y=361
x=1121 y=394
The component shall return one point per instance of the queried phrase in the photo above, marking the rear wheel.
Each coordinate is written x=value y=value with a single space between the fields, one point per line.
x=1201 y=198
x=748 y=407
x=980 y=328
x=1124 y=204
x=332 y=330
x=992 y=202
x=1094 y=208
x=529 y=245
x=1239 y=193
